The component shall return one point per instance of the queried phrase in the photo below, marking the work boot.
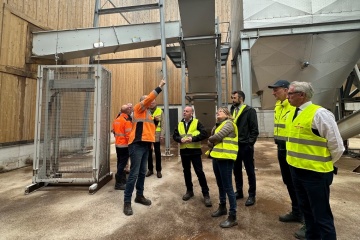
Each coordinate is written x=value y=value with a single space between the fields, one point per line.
x=220 y=211
x=158 y=174
x=127 y=209
x=207 y=201
x=142 y=200
x=300 y=234
x=229 y=222
x=291 y=217
x=120 y=186
x=149 y=173
x=188 y=195
x=250 y=201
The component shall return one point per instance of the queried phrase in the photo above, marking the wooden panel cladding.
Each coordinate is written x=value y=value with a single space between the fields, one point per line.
x=19 y=18
x=17 y=104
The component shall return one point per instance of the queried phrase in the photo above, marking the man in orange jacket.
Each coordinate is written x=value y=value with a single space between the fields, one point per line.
x=141 y=137
x=122 y=127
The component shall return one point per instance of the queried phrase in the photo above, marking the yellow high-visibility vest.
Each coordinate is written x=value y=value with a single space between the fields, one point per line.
x=282 y=110
x=191 y=133
x=157 y=112
x=228 y=148
x=239 y=113
x=305 y=149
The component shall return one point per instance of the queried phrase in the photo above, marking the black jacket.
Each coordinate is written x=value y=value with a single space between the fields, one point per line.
x=203 y=135
x=247 y=125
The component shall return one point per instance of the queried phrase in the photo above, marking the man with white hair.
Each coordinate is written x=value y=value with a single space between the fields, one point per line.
x=313 y=144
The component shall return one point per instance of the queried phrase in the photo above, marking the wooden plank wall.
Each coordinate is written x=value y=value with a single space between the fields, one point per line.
x=18 y=71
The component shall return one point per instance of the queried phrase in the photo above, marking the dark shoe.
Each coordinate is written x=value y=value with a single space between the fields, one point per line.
x=229 y=222
x=159 y=175
x=300 y=234
x=188 y=195
x=207 y=201
x=127 y=209
x=290 y=217
x=120 y=181
x=149 y=173
x=239 y=195
x=220 y=211
x=142 y=200
x=250 y=201
x=120 y=186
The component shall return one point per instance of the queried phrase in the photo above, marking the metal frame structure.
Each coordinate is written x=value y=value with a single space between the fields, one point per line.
x=67 y=150
x=160 y=5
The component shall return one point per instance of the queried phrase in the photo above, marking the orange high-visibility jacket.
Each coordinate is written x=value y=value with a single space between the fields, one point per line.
x=122 y=128
x=143 y=128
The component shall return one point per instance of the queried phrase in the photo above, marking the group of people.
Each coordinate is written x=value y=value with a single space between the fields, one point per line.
x=231 y=143
x=307 y=139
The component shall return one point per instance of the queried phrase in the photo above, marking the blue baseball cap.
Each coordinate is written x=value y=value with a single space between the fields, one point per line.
x=280 y=83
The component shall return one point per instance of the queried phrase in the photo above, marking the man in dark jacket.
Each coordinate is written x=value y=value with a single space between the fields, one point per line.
x=246 y=120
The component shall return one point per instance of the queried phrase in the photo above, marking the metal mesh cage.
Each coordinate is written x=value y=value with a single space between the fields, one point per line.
x=72 y=124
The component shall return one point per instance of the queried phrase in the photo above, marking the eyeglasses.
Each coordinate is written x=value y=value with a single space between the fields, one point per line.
x=292 y=93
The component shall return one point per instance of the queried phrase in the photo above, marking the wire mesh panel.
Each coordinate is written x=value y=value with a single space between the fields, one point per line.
x=72 y=124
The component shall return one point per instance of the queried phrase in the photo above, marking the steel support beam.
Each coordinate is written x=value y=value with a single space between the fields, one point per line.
x=77 y=43
x=164 y=69
x=129 y=60
x=128 y=9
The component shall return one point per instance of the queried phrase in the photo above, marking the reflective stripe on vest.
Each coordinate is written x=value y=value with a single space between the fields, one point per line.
x=282 y=110
x=192 y=132
x=157 y=112
x=306 y=150
x=146 y=119
x=122 y=128
x=228 y=148
x=239 y=113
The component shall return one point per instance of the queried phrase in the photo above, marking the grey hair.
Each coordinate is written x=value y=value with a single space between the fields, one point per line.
x=304 y=87
x=192 y=109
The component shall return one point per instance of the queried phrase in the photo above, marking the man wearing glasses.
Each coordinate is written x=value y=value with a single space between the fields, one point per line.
x=314 y=143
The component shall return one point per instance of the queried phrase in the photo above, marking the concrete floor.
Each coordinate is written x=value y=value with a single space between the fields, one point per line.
x=71 y=213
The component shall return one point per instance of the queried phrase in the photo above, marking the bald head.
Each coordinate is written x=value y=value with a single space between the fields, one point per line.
x=125 y=108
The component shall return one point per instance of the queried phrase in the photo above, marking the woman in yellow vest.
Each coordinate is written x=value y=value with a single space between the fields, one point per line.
x=223 y=145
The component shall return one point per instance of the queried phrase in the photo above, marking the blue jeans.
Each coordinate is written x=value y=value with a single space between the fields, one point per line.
x=223 y=173
x=313 y=191
x=139 y=152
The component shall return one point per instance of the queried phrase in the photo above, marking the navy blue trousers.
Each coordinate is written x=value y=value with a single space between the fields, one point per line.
x=195 y=159
x=313 y=192
x=286 y=176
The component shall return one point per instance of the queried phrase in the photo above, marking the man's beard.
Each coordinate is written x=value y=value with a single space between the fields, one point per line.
x=236 y=104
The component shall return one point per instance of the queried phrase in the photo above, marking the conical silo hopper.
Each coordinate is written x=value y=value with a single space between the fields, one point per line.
x=314 y=41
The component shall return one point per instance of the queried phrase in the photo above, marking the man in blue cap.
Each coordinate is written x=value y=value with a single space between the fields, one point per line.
x=282 y=109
